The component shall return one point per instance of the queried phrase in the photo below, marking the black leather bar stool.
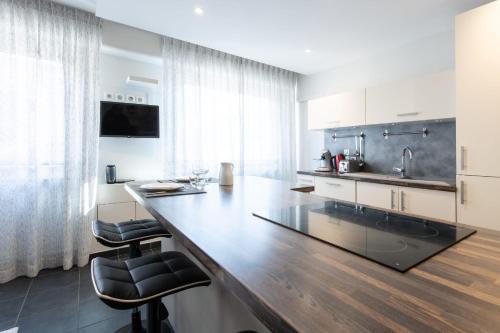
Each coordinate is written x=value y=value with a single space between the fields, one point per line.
x=128 y=233
x=145 y=280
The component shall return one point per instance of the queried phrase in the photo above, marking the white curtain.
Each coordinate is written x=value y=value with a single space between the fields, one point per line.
x=223 y=108
x=48 y=135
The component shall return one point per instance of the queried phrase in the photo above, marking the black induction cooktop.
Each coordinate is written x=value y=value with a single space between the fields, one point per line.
x=396 y=241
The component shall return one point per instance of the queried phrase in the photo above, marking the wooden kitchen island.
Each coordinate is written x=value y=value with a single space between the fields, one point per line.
x=293 y=283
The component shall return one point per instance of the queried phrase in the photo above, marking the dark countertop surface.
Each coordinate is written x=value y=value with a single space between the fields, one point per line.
x=430 y=184
x=294 y=283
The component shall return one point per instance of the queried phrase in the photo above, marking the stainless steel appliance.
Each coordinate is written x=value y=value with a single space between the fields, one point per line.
x=325 y=162
x=346 y=166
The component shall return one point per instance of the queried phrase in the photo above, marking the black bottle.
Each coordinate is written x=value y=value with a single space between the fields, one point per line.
x=110 y=174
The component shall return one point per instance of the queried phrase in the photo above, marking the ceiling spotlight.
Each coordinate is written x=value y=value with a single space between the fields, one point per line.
x=198 y=11
x=307 y=51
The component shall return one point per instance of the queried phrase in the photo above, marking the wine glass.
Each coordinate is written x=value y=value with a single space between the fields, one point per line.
x=193 y=180
x=200 y=170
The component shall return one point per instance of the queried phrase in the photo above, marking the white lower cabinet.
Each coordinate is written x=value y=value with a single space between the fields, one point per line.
x=113 y=213
x=112 y=193
x=477 y=201
x=116 y=205
x=141 y=213
x=340 y=189
x=377 y=195
x=305 y=180
x=116 y=212
x=433 y=204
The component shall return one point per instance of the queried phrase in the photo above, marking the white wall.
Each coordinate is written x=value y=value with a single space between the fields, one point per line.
x=134 y=158
x=309 y=143
x=429 y=55
x=119 y=36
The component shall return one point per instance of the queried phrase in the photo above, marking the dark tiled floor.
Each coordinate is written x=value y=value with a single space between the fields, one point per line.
x=58 y=301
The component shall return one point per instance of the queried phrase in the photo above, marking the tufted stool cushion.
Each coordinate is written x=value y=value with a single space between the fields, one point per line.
x=133 y=282
x=114 y=235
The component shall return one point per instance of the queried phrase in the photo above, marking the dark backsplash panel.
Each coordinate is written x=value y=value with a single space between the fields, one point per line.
x=433 y=156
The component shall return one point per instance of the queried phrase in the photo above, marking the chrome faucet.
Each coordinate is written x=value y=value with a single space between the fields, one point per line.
x=402 y=170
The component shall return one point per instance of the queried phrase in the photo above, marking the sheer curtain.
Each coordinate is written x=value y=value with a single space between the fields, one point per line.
x=223 y=108
x=48 y=135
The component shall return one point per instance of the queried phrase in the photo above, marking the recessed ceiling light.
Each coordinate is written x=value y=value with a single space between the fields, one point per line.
x=198 y=11
x=307 y=51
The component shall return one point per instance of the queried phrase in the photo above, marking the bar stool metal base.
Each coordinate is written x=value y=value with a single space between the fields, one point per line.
x=164 y=328
x=135 y=326
x=156 y=322
x=134 y=250
x=128 y=329
x=157 y=313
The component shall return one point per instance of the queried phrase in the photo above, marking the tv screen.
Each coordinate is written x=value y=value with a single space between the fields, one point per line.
x=129 y=120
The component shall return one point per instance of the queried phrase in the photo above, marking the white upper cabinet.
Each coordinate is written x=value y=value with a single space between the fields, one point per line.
x=339 y=110
x=477 y=52
x=423 y=98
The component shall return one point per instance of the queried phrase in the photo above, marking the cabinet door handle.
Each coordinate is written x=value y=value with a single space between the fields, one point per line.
x=392 y=199
x=462 y=192
x=407 y=114
x=306 y=180
x=462 y=158
x=333 y=121
x=402 y=194
x=333 y=184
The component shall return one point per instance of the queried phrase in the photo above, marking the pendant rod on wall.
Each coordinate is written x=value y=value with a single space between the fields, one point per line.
x=424 y=132
x=335 y=136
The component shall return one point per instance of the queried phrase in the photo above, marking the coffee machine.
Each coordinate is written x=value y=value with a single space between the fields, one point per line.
x=325 y=162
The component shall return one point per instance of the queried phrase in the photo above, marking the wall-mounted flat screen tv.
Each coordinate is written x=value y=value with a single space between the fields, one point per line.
x=129 y=120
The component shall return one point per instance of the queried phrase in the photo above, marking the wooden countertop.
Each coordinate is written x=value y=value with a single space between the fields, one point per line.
x=294 y=283
x=439 y=185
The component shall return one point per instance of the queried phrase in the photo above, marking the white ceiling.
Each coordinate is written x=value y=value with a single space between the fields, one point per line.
x=277 y=32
